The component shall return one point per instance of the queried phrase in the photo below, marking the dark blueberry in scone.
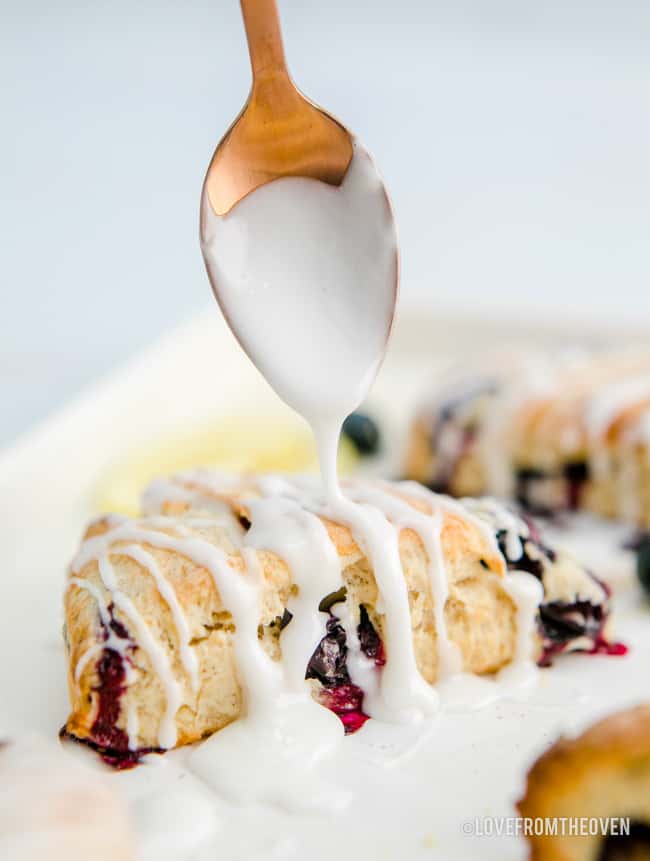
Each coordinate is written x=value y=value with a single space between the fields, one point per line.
x=363 y=432
x=576 y=607
x=369 y=639
x=576 y=474
x=328 y=664
x=563 y=624
x=643 y=563
x=531 y=559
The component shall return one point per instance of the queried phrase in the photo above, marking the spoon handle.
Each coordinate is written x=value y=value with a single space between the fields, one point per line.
x=264 y=37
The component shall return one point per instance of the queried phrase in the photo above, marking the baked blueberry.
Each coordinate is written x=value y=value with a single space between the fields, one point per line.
x=643 y=562
x=363 y=433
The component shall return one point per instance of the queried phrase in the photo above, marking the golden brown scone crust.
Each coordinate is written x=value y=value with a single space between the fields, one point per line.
x=218 y=699
x=420 y=457
x=480 y=617
x=605 y=772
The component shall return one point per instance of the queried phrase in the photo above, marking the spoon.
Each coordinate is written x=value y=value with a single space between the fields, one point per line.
x=279 y=132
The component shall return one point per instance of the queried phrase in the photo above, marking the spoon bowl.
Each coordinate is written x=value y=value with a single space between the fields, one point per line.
x=279 y=131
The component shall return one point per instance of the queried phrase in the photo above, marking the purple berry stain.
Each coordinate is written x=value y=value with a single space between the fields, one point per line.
x=111 y=742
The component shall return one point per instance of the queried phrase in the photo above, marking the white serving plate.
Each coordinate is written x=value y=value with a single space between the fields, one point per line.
x=410 y=799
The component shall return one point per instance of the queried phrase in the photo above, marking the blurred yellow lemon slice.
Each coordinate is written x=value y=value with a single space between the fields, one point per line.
x=236 y=443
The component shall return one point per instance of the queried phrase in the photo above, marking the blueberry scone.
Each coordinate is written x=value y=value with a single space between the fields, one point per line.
x=176 y=620
x=603 y=773
x=556 y=433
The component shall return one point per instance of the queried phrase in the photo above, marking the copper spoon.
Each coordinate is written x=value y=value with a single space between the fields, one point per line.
x=279 y=132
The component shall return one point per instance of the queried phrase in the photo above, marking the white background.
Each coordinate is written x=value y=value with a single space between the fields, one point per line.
x=514 y=136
